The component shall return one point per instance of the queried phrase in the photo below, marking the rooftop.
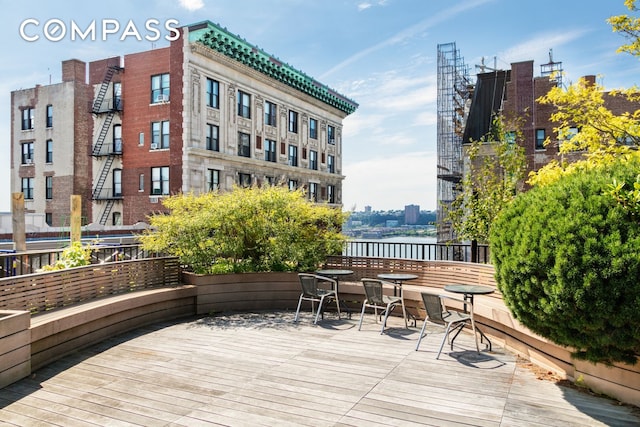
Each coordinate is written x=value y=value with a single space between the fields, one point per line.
x=263 y=369
x=221 y=40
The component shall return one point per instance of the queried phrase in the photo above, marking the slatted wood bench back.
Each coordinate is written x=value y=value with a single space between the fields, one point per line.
x=45 y=291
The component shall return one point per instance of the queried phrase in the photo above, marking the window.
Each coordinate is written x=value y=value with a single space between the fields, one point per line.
x=27 y=188
x=244 y=145
x=540 y=137
x=141 y=138
x=49 y=153
x=212 y=138
x=293 y=121
x=116 y=218
x=331 y=134
x=313 y=191
x=510 y=137
x=117 y=138
x=293 y=155
x=213 y=92
x=117 y=96
x=141 y=182
x=270 y=180
x=160 y=88
x=244 y=104
x=213 y=179
x=331 y=164
x=331 y=194
x=48 y=182
x=27 y=153
x=28 y=118
x=49 y=115
x=160 y=135
x=293 y=184
x=269 y=150
x=313 y=129
x=48 y=218
x=117 y=183
x=160 y=180
x=270 y=112
x=244 y=179
x=313 y=160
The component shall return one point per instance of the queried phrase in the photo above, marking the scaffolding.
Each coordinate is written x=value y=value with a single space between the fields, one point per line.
x=454 y=90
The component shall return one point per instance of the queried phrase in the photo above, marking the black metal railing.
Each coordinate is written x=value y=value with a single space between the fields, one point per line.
x=420 y=251
x=18 y=263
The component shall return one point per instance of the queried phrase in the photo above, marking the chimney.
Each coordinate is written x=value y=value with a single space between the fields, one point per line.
x=74 y=70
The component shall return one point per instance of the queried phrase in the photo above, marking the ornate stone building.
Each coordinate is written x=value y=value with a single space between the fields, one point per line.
x=208 y=112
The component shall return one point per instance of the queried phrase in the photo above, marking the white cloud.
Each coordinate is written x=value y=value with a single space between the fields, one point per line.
x=363 y=6
x=391 y=182
x=410 y=32
x=538 y=46
x=192 y=5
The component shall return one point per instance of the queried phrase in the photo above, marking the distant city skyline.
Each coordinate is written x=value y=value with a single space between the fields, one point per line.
x=380 y=53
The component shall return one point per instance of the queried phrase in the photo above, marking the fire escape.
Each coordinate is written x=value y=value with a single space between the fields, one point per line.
x=106 y=109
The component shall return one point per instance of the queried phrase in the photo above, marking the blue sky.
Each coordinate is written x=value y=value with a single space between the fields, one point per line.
x=380 y=53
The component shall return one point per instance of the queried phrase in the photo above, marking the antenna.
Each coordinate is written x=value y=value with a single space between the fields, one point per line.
x=553 y=70
x=484 y=68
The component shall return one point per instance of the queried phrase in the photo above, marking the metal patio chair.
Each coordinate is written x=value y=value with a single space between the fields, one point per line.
x=311 y=291
x=451 y=320
x=375 y=298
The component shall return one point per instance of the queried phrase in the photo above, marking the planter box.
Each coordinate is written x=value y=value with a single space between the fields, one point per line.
x=245 y=291
x=15 y=346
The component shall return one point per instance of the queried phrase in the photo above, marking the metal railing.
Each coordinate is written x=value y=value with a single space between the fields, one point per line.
x=19 y=263
x=418 y=251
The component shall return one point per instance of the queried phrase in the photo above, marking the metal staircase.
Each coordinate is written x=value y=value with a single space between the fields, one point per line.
x=106 y=125
x=104 y=173
x=106 y=212
x=109 y=157
x=104 y=87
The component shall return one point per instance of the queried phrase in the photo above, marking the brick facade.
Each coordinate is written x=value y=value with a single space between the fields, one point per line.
x=88 y=162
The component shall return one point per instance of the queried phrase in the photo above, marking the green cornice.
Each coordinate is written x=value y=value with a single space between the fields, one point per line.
x=221 y=40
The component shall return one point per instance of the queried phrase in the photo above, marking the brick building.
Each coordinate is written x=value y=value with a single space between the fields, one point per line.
x=513 y=93
x=208 y=112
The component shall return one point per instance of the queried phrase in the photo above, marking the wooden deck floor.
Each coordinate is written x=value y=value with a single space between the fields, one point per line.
x=262 y=369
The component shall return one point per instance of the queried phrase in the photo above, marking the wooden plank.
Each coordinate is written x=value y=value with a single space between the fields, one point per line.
x=263 y=369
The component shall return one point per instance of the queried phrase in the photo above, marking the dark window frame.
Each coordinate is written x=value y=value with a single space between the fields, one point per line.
x=213 y=93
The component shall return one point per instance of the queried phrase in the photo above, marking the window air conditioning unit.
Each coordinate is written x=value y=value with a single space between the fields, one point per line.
x=162 y=98
x=28 y=161
x=154 y=199
x=154 y=146
x=332 y=141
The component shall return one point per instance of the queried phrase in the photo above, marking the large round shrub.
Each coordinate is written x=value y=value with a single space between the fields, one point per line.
x=567 y=260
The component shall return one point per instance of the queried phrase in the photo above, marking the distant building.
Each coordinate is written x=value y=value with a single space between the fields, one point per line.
x=206 y=113
x=411 y=214
x=469 y=113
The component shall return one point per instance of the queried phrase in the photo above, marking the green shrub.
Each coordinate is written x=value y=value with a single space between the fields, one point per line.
x=75 y=255
x=248 y=229
x=567 y=260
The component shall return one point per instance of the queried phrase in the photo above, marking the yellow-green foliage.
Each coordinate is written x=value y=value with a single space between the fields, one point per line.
x=248 y=229
x=75 y=255
x=629 y=27
x=603 y=137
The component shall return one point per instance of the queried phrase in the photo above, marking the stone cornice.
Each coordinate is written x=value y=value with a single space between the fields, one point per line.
x=231 y=46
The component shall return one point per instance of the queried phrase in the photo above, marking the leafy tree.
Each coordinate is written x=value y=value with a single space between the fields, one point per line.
x=248 y=229
x=496 y=166
x=603 y=136
x=567 y=261
x=629 y=27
